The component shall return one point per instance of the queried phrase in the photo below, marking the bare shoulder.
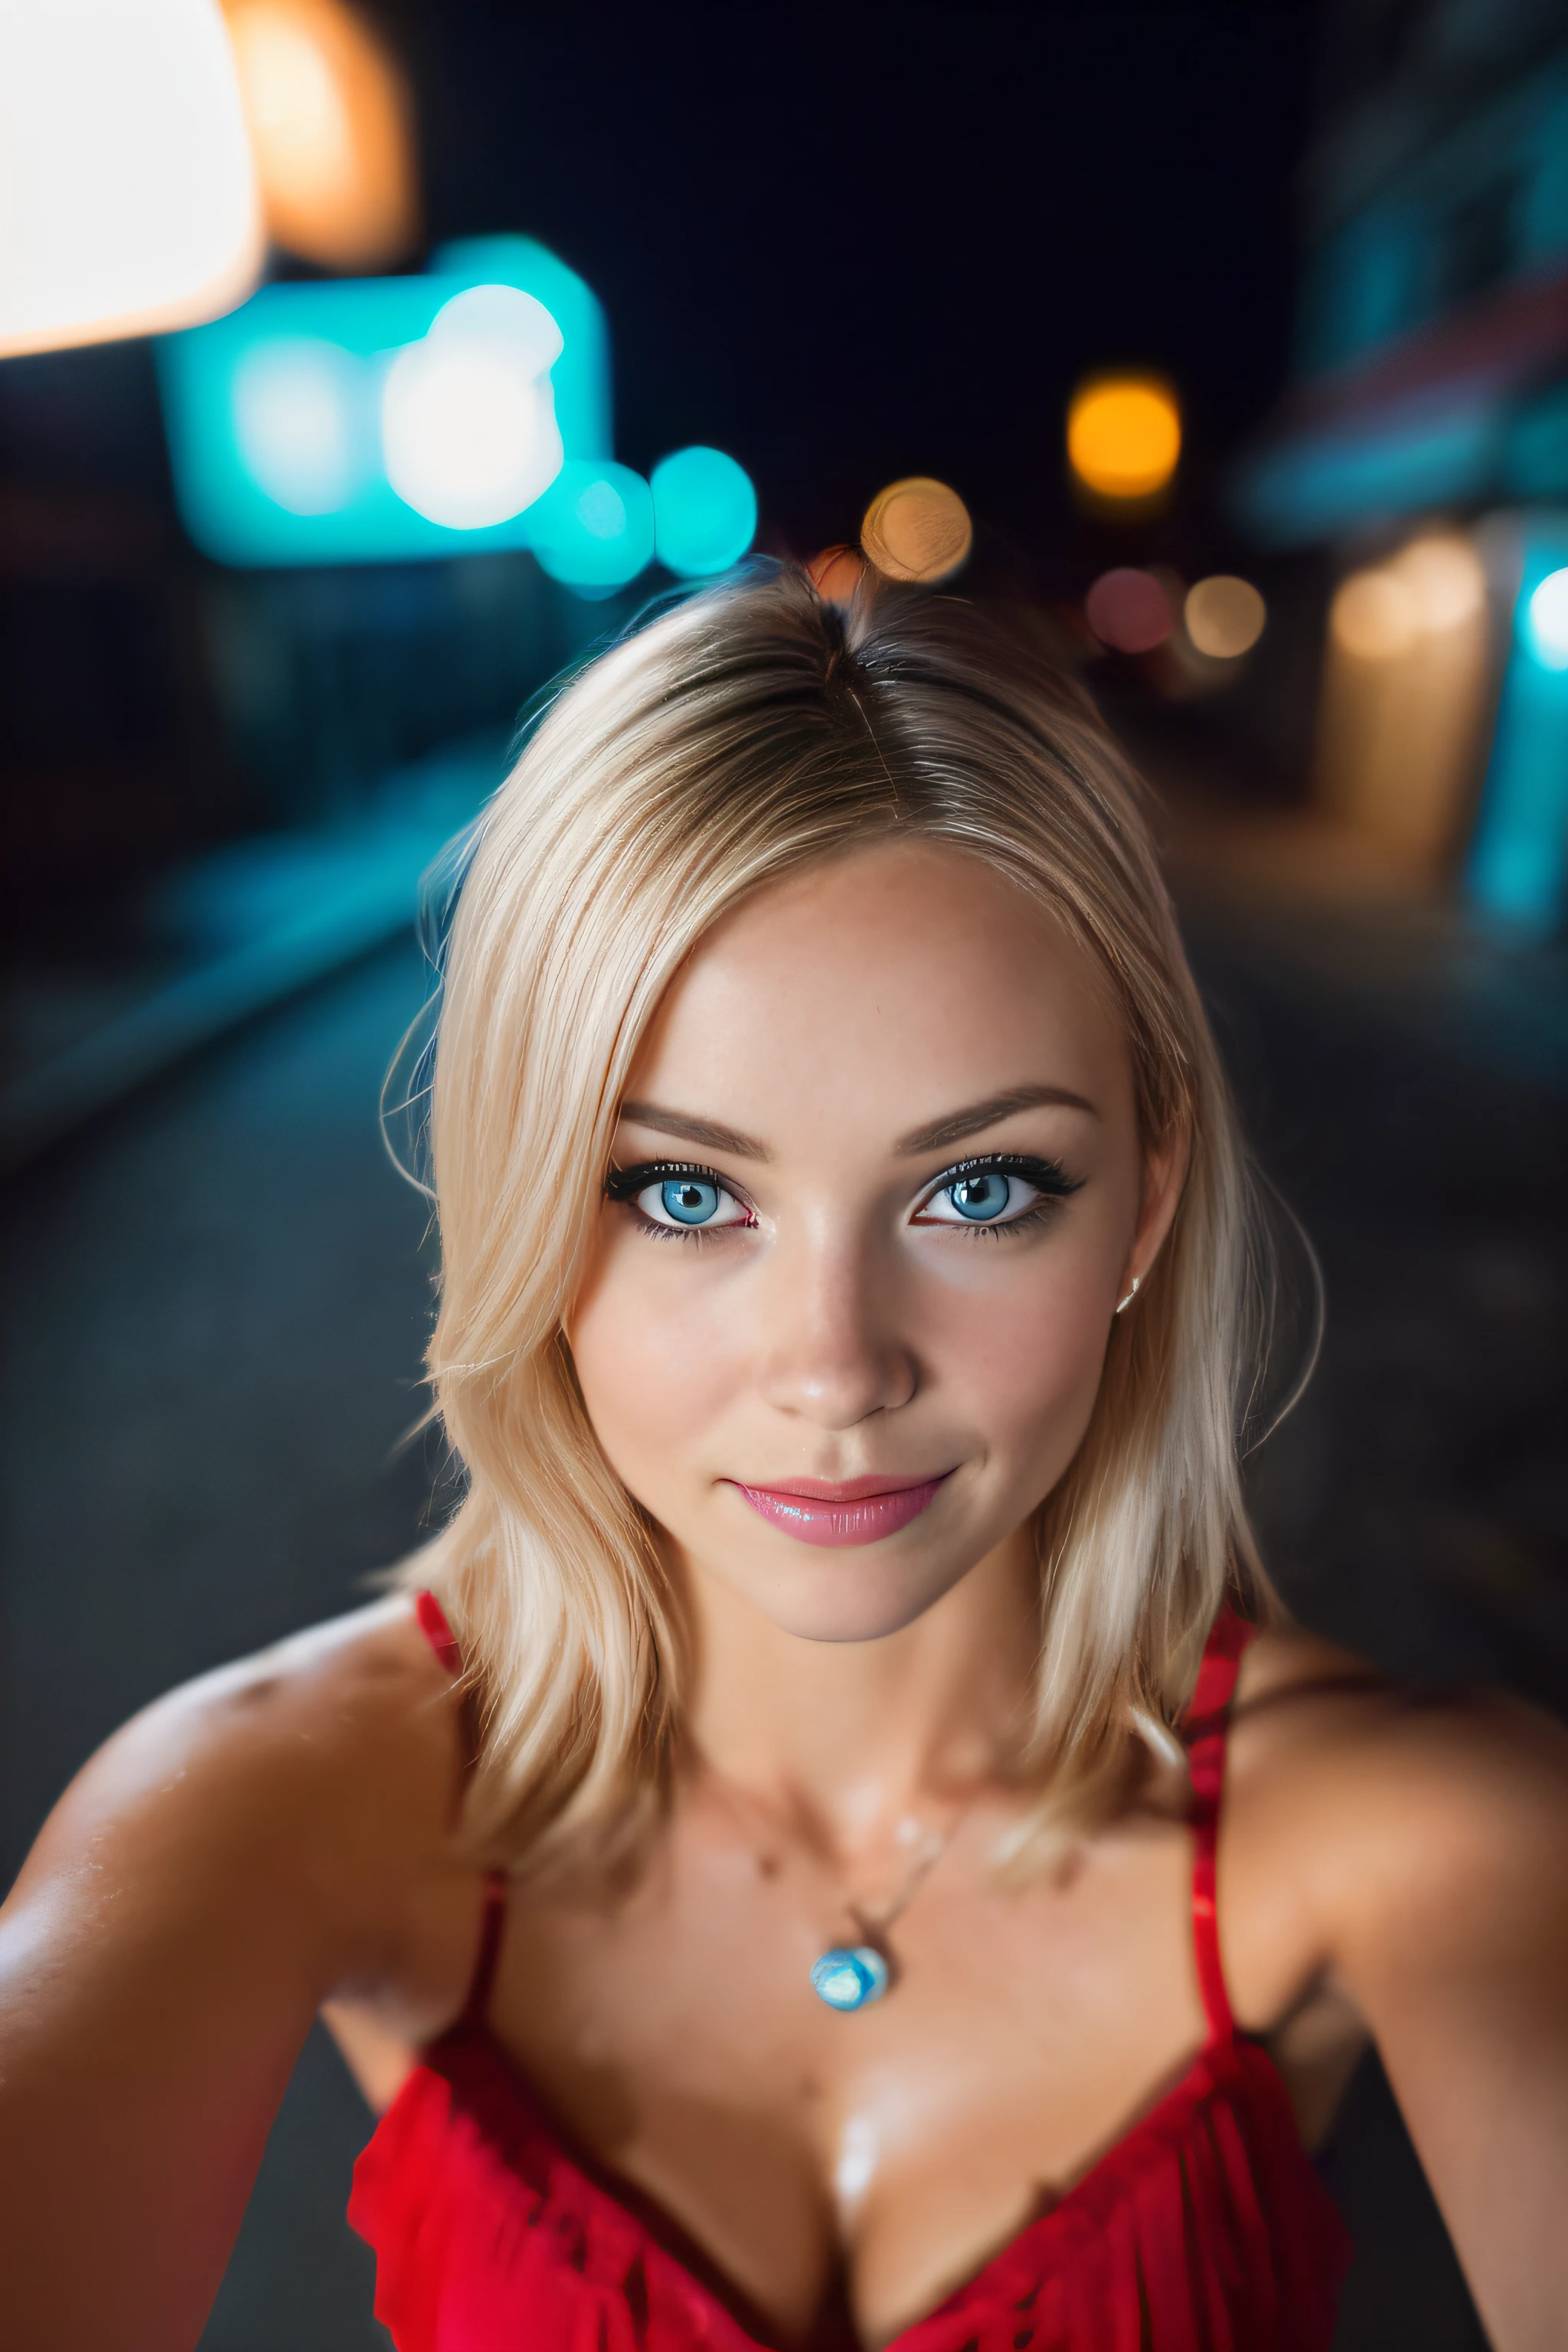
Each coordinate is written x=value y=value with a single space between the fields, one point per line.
x=253 y=1843
x=1398 y=1860
x=325 y=1767
x=1380 y=1816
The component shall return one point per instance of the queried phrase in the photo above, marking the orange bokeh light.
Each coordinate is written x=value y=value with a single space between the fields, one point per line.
x=1124 y=435
x=917 y=530
x=837 y=574
x=331 y=125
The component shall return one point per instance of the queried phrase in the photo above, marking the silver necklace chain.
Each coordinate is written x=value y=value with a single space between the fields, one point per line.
x=851 y=1977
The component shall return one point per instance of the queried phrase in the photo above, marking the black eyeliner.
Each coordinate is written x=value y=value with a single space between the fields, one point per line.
x=626 y=1183
x=1048 y=1176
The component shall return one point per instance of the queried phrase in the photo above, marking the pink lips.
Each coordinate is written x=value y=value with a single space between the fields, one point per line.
x=840 y=1511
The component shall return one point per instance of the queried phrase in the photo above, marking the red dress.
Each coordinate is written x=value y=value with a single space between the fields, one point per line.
x=1203 y=2230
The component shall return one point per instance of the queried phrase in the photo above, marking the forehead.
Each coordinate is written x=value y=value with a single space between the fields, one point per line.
x=892 y=984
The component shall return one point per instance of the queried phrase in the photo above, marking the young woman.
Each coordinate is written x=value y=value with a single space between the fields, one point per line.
x=769 y=1859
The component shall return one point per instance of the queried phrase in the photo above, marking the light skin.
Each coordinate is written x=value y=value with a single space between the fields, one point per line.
x=279 y=1836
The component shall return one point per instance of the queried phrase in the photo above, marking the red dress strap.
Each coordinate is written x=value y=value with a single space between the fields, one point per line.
x=492 y=1919
x=438 y=1633
x=1207 y=1724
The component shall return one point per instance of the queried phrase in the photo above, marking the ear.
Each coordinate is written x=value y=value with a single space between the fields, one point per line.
x=1166 y=1165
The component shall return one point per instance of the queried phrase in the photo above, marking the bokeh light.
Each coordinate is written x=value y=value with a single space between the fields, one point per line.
x=303 y=422
x=467 y=419
x=131 y=199
x=1445 y=577
x=836 y=573
x=1225 y=615
x=1438 y=583
x=594 y=528
x=704 y=512
x=1374 y=616
x=917 y=530
x=1404 y=696
x=1124 y=435
x=1547 y=620
x=1128 y=610
x=329 y=122
x=284 y=416
x=580 y=378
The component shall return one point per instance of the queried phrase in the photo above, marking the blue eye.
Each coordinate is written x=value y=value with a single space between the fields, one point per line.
x=689 y=1201
x=678 y=1200
x=981 y=1195
x=982 y=1198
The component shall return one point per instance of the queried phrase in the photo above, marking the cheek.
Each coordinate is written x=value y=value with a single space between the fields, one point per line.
x=1020 y=1354
x=656 y=1355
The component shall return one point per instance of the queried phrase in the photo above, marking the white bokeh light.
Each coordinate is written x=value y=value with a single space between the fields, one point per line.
x=1548 y=612
x=467 y=419
x=300 y=420
x=126 y=182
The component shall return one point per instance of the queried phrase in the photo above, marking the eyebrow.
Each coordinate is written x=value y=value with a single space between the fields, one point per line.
x=713 y=1137
x=708 y=1132
x=996 y=1107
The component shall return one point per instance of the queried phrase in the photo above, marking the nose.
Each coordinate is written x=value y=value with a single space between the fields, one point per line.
x=832 y=1353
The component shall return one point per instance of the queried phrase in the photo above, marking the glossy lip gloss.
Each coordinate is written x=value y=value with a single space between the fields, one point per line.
x=836 y=1512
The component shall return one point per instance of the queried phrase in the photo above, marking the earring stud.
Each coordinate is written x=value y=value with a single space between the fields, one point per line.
x=1131 y=1294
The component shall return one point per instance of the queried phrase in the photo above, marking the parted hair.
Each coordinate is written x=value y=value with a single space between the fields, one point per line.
x=752 y=730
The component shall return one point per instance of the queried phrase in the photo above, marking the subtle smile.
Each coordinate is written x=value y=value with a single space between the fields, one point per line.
x=840 y=1511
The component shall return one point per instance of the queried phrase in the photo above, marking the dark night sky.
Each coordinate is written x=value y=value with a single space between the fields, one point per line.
x=852 y=243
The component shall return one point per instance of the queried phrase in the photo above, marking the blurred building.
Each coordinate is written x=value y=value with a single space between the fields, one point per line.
x=1423 y=450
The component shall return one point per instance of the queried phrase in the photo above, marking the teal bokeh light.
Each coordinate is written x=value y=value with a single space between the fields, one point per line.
x=593 y=527
x=274 y=414
x=1518 y=865
x=1546 y=620
x=705 y=512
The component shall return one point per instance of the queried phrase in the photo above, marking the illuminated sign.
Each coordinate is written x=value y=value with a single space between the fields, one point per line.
x=381 y=418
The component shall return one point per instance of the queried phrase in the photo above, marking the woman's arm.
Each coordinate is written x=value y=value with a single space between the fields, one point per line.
x=248 y=1845
x=1456 y=1949
x=1424 y=1851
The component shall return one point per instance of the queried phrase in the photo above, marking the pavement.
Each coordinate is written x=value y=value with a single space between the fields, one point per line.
x=219 y=1289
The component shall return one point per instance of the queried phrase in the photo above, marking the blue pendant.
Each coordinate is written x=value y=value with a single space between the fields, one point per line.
x=846 y=1978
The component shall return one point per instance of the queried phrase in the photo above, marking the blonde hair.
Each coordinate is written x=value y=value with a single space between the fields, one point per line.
x=750 y=732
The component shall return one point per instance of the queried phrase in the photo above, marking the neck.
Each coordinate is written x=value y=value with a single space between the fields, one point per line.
x=848 y=1736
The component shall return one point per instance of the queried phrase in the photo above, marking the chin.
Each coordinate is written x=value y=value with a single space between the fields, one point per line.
x=842 y=1596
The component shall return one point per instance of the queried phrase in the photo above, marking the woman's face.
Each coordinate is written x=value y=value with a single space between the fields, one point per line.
x=876 y=1192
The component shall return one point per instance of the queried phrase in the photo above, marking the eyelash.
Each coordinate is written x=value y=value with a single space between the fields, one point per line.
x=1048 y=1177
x=626 y=1183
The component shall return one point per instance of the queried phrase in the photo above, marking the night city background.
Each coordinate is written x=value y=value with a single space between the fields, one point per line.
x=753 y=269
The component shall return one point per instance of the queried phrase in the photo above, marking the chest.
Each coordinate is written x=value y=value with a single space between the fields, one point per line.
x=674 y=2032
